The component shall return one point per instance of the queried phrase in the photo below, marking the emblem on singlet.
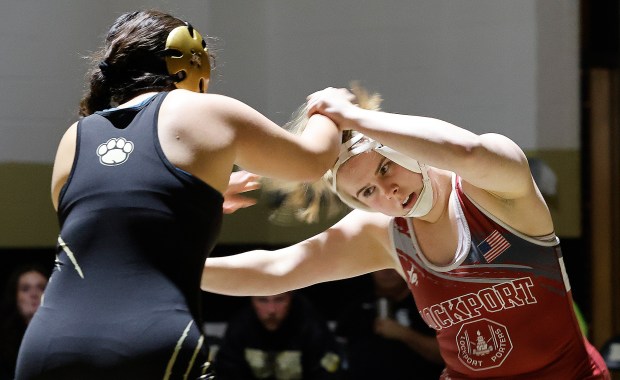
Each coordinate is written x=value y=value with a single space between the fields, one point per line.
x=114 y=152
x=483 y=344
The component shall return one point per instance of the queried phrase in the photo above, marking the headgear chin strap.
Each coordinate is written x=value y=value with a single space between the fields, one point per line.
x=187 y=59
x=355 y=146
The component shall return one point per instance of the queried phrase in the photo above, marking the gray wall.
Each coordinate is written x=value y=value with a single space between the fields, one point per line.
x=487 y=65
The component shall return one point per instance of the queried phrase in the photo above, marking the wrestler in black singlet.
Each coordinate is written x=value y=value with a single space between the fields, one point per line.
x=124 y=299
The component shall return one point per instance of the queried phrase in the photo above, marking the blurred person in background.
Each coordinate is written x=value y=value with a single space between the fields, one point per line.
x=24 y=292
x=384 y=335
x=279 y=337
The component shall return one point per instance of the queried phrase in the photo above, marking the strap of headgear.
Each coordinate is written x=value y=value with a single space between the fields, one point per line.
x=347 y=151
x=355 y=146
x=187 y=58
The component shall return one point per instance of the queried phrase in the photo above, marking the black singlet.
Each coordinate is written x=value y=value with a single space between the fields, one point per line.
x=124 y=299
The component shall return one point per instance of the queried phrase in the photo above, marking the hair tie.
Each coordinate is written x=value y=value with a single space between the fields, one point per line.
x=106 y=70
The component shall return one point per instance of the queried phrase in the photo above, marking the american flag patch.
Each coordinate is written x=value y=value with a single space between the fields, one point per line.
x=493 y=246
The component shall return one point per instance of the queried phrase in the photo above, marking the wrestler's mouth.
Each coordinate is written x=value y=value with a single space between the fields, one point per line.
x=409 y=201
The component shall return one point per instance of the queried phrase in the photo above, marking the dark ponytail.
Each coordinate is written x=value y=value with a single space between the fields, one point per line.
x=130 y=63
x=99 y=96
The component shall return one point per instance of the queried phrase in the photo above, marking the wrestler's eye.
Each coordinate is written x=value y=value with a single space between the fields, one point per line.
x=384 y=168
x=368 y=191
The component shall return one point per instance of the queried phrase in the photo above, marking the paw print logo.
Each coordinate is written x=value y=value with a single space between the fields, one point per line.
x=115 y=151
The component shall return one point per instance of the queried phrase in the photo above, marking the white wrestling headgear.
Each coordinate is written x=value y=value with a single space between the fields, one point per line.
x=359 y=144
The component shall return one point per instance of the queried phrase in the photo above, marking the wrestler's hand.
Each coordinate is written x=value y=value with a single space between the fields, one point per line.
x=389 y=328
x=333 y=103
x=240 y=182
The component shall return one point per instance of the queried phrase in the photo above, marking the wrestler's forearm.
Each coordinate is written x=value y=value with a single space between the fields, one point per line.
x=253 y=273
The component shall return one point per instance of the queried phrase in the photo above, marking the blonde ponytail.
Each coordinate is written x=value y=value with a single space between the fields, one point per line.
x=308 y=202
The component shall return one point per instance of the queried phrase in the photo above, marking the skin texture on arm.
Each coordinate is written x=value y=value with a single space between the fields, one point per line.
x=357 y=244
x=489 y=161
x=205 y=134
x=63 y=162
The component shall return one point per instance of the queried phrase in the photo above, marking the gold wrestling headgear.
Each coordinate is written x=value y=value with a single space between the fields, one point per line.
x=187 y=59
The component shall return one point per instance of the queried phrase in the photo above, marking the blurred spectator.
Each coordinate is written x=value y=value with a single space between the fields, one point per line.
x=277 y=337
x=385 y=337
x=22 y=298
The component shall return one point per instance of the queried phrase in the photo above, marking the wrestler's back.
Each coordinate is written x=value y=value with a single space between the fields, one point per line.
x=124 y=299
